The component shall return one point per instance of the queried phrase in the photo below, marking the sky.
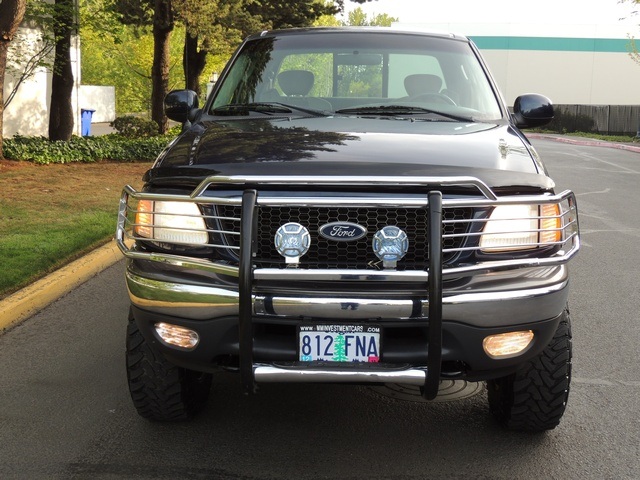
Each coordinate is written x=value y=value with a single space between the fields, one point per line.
x=572 y=12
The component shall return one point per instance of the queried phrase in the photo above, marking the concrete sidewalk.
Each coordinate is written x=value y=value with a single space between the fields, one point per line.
x=98 y=129
x=583 y=141
x=30 y=300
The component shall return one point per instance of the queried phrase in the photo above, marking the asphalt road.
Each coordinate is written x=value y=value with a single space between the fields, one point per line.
x=65 y=410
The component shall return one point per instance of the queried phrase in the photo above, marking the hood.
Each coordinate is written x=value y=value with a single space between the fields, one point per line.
x=350 y=146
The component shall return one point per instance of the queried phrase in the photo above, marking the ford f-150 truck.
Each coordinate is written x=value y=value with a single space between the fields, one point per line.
x=351 y=205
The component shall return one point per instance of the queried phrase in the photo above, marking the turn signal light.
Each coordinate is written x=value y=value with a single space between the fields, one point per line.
x=550 y=223
x=506 y=345
x=176 y=336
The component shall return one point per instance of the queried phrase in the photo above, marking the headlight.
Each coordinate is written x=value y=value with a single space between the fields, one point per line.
x=171 y=222
x=521 y=227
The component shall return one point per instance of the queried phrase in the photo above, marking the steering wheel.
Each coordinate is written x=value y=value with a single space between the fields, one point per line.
x=432 y=97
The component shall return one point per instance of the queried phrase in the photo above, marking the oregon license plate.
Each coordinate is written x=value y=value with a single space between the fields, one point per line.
x=339 y=343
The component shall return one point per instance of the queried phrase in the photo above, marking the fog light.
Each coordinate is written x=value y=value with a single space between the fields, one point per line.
x=292 y=241
x=177 y=336
x=390 y=245
x=505 y=345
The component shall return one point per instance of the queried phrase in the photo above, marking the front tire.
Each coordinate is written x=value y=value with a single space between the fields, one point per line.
x=160 y=390
x=535 y=397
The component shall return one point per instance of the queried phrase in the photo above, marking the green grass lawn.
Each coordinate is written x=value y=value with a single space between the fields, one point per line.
x=52 y=214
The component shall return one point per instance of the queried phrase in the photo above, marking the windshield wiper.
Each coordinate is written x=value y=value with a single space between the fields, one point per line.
x=264 y=107
x=402 y=110
x=240 y=108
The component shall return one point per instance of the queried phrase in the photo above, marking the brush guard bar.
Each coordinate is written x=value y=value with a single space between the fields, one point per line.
x=427 y=376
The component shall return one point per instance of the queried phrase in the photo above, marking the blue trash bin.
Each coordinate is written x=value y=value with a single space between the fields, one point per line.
x=85 y=121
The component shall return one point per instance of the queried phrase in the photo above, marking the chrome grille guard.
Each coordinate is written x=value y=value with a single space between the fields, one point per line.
x=567 y=247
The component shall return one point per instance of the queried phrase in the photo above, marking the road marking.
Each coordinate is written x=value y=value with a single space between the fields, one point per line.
x=606 y=190
x=611 y=164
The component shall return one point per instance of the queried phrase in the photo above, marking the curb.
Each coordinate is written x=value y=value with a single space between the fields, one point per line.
x=585 y=142
x=30 y=300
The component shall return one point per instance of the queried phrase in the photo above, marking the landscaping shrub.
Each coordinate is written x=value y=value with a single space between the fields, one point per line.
x=135 y=127
x=85 y=149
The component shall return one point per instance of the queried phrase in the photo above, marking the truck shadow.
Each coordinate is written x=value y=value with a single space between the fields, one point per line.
x=333 y=431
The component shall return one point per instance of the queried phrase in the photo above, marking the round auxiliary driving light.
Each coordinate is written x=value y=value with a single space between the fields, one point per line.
x=292 y=241
x=390 y=245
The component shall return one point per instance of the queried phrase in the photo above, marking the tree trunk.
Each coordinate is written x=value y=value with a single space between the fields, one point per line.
x=4 y=46
x=193 y=63
x=162 y=27
x=11 y=14
x=61 y=119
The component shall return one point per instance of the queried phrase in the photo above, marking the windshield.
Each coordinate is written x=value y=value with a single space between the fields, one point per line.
x=358 y=73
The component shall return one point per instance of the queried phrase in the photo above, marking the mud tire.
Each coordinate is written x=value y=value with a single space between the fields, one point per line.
x=534 y=398
x=160 y=390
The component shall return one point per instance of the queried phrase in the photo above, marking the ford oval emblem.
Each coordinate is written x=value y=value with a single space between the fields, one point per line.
x=342 y=231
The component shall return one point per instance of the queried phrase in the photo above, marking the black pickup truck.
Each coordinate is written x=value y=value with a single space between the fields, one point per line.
x=351 y=205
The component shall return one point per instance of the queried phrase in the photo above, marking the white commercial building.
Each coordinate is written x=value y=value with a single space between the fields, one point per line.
x=576 y=66
x=571 y=64
x=28 y=112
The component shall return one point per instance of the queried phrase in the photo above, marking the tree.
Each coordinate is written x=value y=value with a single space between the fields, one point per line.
x=11 y=15
x=163 y=24
x=210 y=25
x=61 y=120
x=119 y=54
x=291 y=13
x=633 y=48
x=159 y=14
x=214 y=26
x=358 y=18
x=230 y=20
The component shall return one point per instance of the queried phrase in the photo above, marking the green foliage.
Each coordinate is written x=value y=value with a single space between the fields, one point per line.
x=358 y=18
x=134 y=127
x=122 y=56
x=85 y=149
x=292 y=13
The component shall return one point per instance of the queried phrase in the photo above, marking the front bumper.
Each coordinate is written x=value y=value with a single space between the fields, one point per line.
x=504 y=299
x=472 y=308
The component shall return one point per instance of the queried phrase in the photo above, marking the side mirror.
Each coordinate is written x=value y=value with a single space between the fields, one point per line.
x=532 y=110
x=179 y=105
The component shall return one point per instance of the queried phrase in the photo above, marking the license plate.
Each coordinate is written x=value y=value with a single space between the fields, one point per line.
x=339 y=343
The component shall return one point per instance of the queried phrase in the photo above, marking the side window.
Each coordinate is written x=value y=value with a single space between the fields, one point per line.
x=424 y=69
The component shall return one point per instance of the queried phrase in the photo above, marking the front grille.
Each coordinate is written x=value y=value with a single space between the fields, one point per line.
x=328 y=254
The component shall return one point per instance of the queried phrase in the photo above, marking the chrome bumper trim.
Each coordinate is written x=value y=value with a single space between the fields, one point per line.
x=194 y=302
x=482 y=309
x=504 y=308
x=268 y=373
x=350 y=308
